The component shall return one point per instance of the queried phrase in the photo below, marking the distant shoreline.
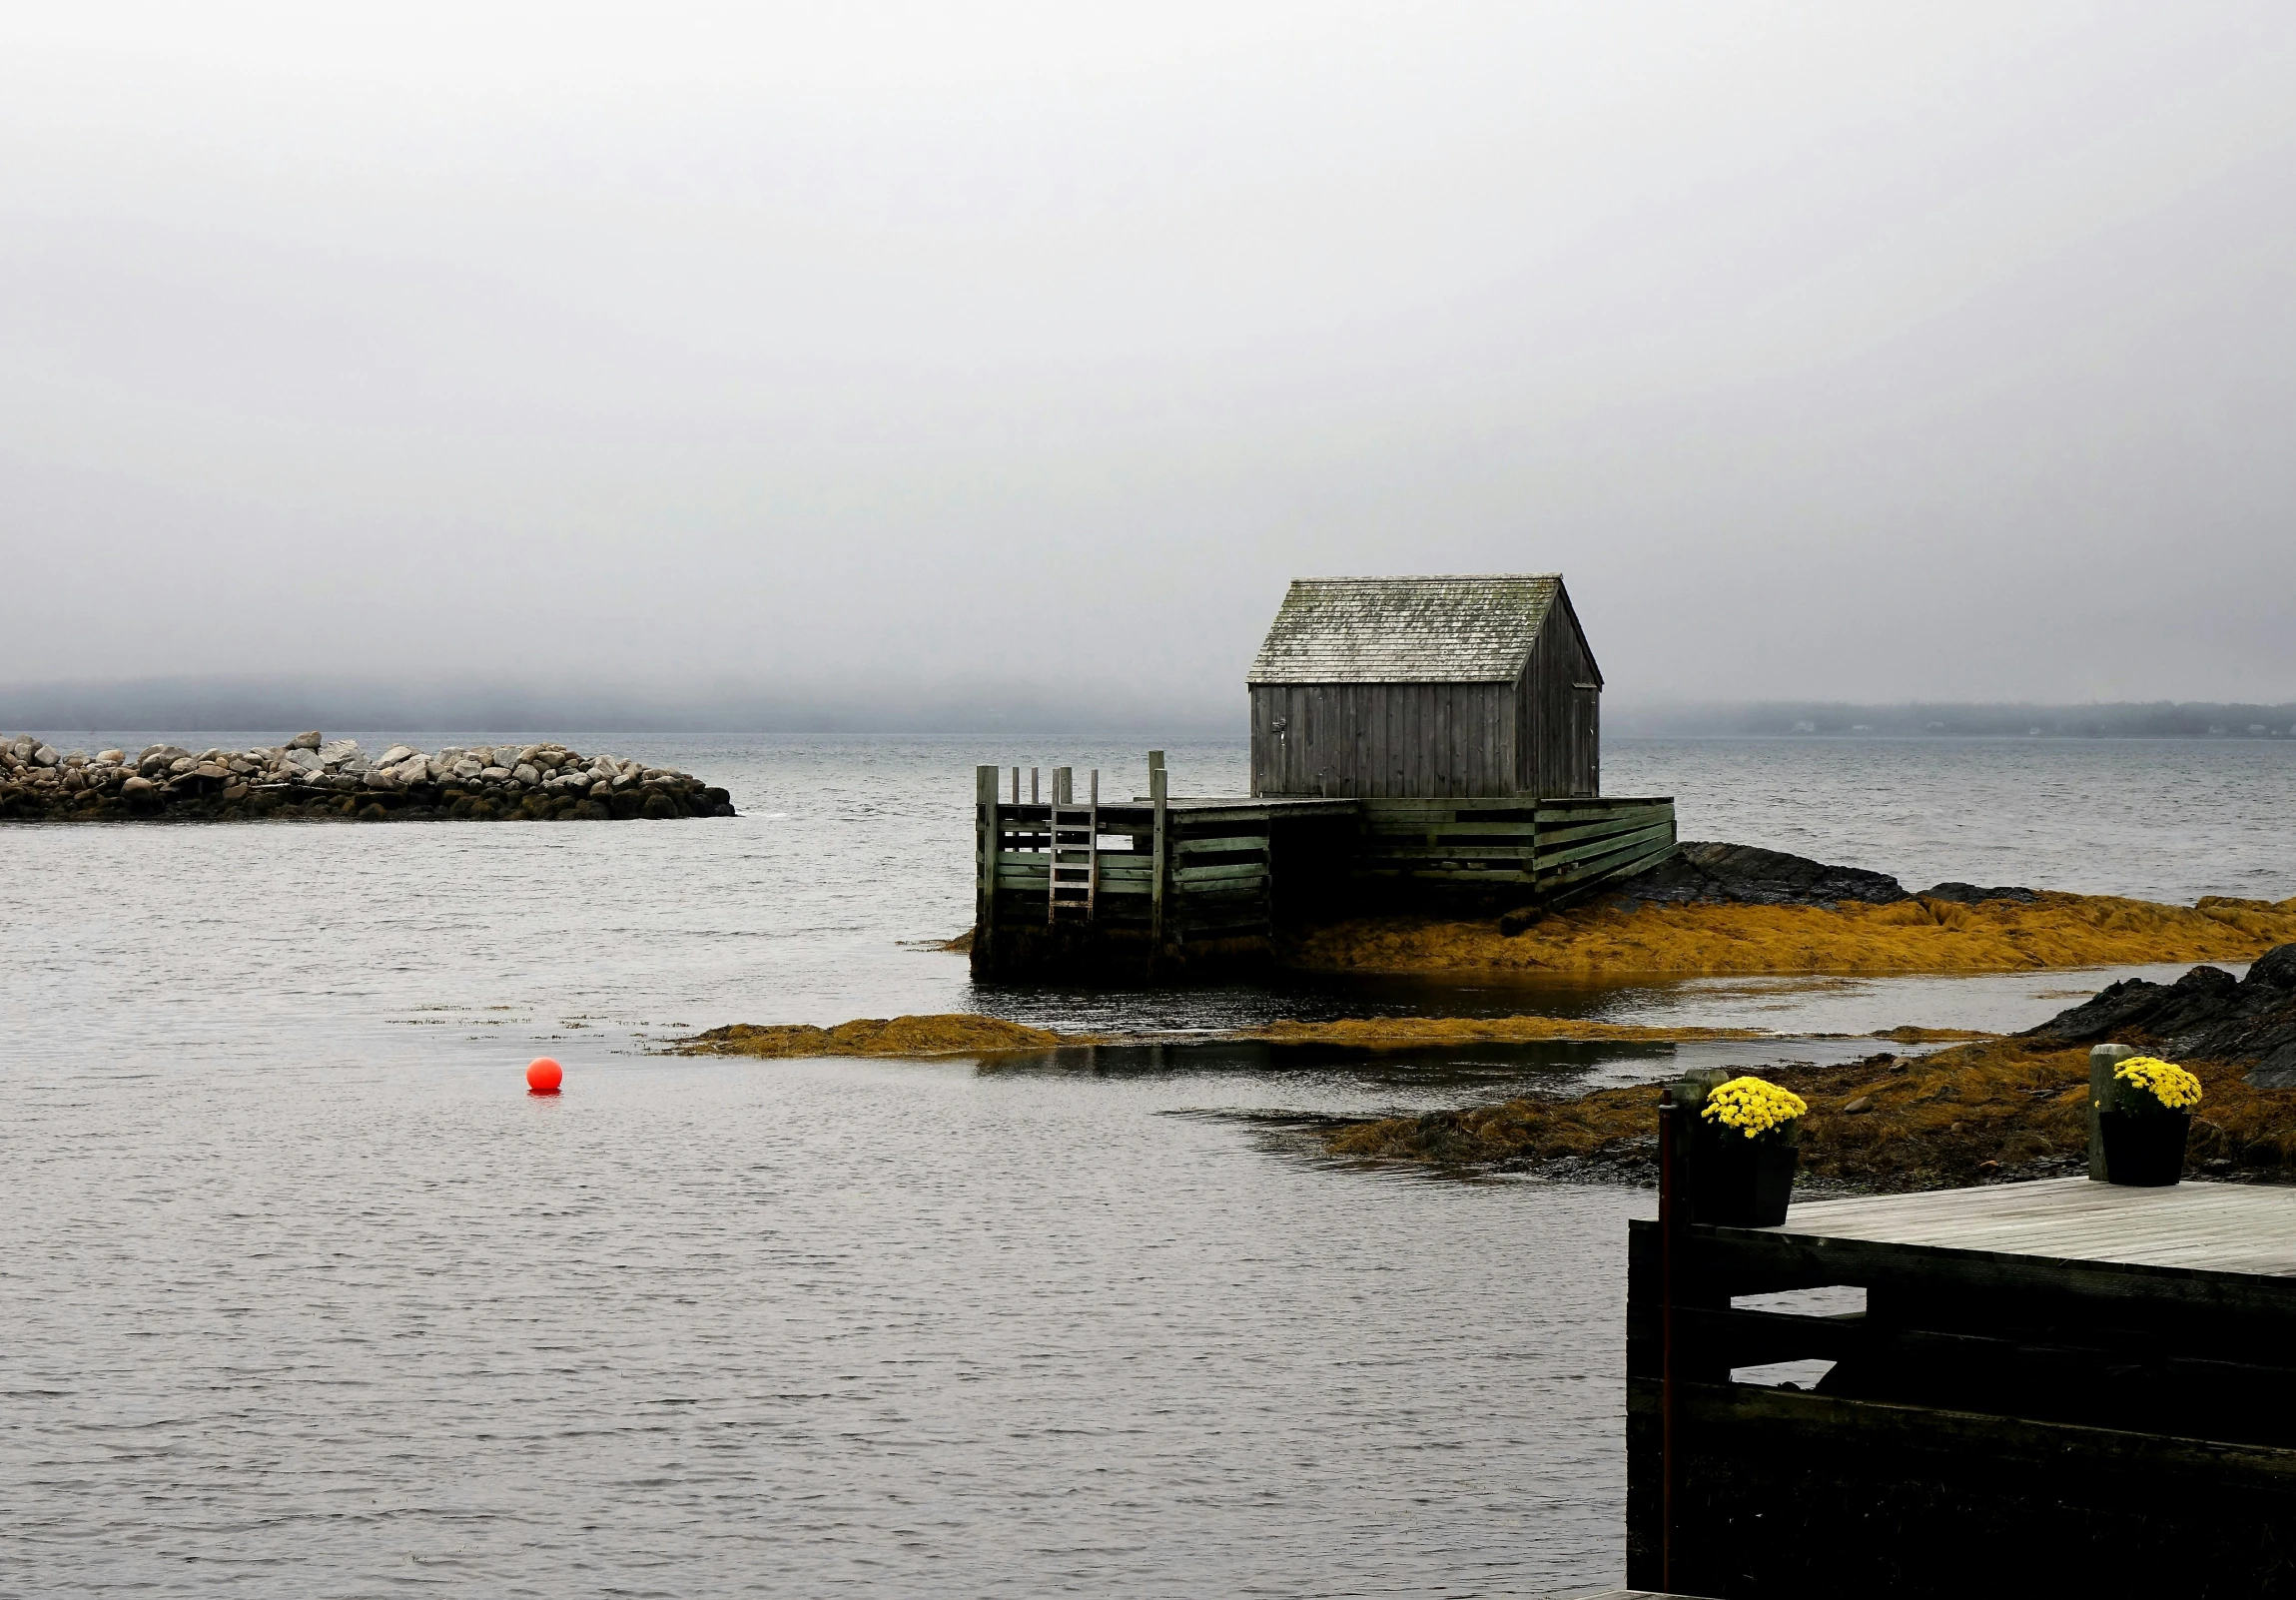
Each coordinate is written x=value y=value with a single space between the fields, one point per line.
x=1835 y=719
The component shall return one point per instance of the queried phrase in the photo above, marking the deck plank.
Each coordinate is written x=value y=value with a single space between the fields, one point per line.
x=2214 y=1227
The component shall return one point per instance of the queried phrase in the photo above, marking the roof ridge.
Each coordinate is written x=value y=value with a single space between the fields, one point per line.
x=1428 y=578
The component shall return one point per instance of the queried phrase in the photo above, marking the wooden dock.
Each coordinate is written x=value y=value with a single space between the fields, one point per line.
x=1073 y=883
x=2068 y=1385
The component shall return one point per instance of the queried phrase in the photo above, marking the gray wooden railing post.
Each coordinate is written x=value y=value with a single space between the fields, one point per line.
x=2101 y=1061
x=984 y=894
x=1158 y=859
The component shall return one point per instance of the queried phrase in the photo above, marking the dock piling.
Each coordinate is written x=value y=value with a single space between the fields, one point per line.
x=991 y=841
x=1669 y=1217
x=1159 y=859
x=2101 y=1062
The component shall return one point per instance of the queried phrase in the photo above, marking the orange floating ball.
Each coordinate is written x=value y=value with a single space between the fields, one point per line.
x=545 y=1076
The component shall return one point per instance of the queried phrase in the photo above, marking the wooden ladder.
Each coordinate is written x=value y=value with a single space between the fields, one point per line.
x=1074 y=838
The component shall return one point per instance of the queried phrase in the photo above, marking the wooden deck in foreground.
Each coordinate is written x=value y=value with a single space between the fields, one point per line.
x=2065 y=1385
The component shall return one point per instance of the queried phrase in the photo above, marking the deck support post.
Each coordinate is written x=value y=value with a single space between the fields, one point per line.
x=1160 y=857
x=990 y=837
x=2103 y=1059
x=1669 y=1226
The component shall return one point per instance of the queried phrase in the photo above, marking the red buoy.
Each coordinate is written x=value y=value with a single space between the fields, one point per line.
x=545 y=1076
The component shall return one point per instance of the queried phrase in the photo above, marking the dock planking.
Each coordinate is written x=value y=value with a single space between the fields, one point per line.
x=2066 y=1384
x=2194 y=1227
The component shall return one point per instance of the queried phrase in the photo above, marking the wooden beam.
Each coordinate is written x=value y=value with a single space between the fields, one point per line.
x=1159 y=852
x=984 y=867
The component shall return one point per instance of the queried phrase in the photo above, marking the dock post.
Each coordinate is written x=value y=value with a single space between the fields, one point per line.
x=1669 y=1220
x=2101 y=1061
x=1158 y=797
x=1063 y=786
x=984 y=894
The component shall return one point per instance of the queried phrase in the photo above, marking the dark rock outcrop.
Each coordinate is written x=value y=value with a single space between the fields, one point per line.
x=2206 y=1015
x=1969 y=894
x=1704 y=872
x=1710 y=873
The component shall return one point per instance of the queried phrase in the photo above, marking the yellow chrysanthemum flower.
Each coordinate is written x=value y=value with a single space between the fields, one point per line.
x=2165 y=1082
x=1752 y=1106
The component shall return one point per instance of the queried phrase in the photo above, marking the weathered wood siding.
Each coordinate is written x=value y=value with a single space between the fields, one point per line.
x=1558 y=737
x=1359 y=740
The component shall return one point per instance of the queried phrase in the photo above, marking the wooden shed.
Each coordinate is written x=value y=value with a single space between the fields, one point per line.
x=1426 y=687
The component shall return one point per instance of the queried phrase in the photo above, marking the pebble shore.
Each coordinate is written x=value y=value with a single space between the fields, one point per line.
x=310 y=777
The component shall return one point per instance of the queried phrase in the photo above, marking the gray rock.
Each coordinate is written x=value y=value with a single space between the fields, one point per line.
x=2206 y=1015
x=181 y=765
x=113 y=757
x=1969 y=894
x=306 y=741
x=492 y=775
x=46 y=755
x=1710 y=873
x=138 y=786
x=395 y=755
x=527 y=772
x=338 y=751
x=468 y=767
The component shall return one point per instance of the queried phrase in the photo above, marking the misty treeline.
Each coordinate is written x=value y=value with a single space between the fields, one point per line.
x=1003 y=710
x=2192 y=719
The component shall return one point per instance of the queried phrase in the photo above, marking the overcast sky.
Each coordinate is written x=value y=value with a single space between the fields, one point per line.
x=1830 y=351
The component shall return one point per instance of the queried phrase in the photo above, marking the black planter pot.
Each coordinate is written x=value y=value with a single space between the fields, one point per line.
x=1736 y=1182
x=2143 y=1148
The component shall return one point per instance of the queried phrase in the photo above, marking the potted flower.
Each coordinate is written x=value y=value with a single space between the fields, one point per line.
x=2143 y=1120
x=1743 y=1154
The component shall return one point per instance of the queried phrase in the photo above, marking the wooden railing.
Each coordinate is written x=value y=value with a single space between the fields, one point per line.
x=1555 y=848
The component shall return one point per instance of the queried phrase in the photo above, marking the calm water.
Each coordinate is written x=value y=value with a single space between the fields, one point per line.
x=306 y=1299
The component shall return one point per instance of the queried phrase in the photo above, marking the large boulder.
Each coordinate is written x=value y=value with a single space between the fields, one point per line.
x=1704 y=872
x=2206 y=1015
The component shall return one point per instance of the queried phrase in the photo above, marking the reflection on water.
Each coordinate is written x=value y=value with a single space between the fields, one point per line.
x=1441 y=1073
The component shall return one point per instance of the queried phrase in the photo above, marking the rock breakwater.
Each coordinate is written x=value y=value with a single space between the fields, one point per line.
x=313 y=777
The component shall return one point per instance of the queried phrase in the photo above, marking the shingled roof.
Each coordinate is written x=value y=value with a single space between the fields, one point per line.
x=1406 y=629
